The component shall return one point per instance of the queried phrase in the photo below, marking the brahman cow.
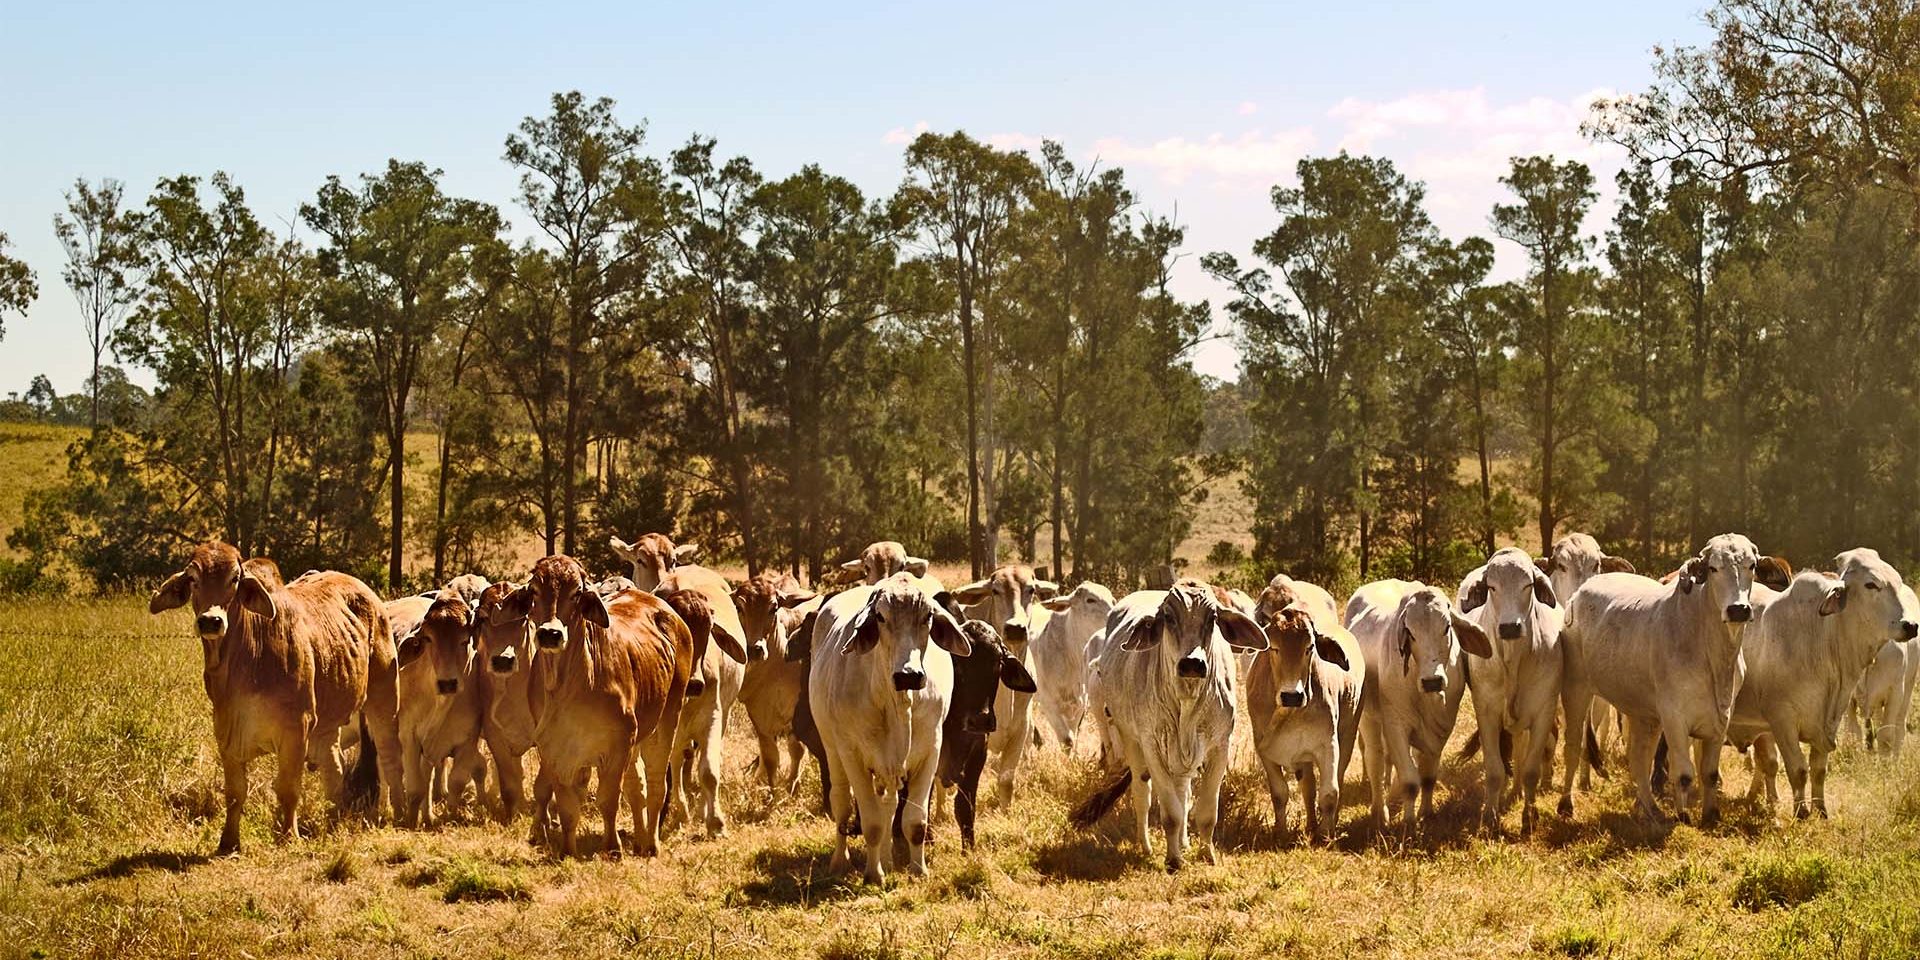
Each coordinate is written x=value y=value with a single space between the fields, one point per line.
x=881 y=679
x=1414 y=644
x=653 y=556
x=1303 y=695
x=700 y=740
x=971 y=717
x=1516 y=691
x=1667 y=656
x=1885 y=693
x=1805 y=652
x=880 y=561
x=1059 y=653
x=519 y=693
x=772 y=686
x=285 y=666
x=1166 y=672
x=619 y=674
x=444 y=700
x=1005 y=600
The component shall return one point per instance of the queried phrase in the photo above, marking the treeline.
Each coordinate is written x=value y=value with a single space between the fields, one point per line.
x=782 y=369
x=988 y=362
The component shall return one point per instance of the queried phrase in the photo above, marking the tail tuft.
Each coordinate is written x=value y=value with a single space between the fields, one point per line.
x=1595 y=759
x=363 y=782
x=1096 y=806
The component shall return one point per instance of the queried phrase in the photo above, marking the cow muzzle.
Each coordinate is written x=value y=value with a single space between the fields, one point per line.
x=757 y=652
x=1192 y=667
x=448 y=686
x=549 y=638
x=1292 y=699
x=1433 y=684
x=1511 y=630
x=909 y=680
x=1739 y=612
x=503 y=662
x=1909 y=630
x=979 y=723
x=695 y=687
x=1014 y=632
x=210 y=624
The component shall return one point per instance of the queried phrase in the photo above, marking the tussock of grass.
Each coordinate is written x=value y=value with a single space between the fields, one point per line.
x=1783 y=881
x=342 y=867
x=471 y=882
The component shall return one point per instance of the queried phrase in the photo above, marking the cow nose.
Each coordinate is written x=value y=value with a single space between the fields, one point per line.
x=909 y=679
x=1015 y=632
x=1293 y=698
x=1510 y=630
x=757 y=652
x=1909 y=629
x=979 y=722
x=1433 y=684
x=695 y=687
x=1192 y=667
x=209 y=624
x=503 y=662
x=447 y=686
x=548 y=637
x=1739 y=613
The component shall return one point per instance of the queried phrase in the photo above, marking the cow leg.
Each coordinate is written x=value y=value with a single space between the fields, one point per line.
x=1006 y=766
x=512 y=781
x=1175 y=796
x=711 y=755
x=1428 y=765
x=769 y=759
x=656 y=757
x=1707 y=761
x=1206 y=800
x=323 y=754
x=566 y=802
x=1576 y=701
x=542 y=801
x=1493 y=763
x=414 y=781
x=615 y=772
x=841 y=808
x=381 y=714
x=235 y=770
x=1794 y=758
x=876 y=822
x=966 y=796
x=1406 y=778
x=292 y=762
x=469 y=767
x=913 y=813
x=1373 y=763
x=1309 y=793
x=1277 y=790
x=1641 y=735
x=796 y=755
x=1817 y=773
x=1685 y=776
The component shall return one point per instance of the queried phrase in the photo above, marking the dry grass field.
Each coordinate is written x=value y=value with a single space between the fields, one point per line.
x=109 y=799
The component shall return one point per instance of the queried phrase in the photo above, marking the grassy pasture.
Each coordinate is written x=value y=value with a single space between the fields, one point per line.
x=109 y=802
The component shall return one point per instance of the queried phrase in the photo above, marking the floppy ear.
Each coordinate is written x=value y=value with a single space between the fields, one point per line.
x=1543 y=590
x=1774 y=572
x=974 y=592
x=800 y=641
x=411 y=647
x=1472 y=639
x=794 y=599
x=1613 y=564
x=1331 y=651
x=729 y=644
x=865 y=634
x=686 y=552
x=1045 y=589
x=1835 y=601
x=621 y=549
x=915 y=566
x=519 y=602
x=1057 y=604
x=948 y=636
x=254 y=595
x=1545 y=564
x=1240 y=630
x=1014 y=676
x=593 y=608
x=1474 y=596
x=1695 y=572
x=1145 y=633
x=173 y=593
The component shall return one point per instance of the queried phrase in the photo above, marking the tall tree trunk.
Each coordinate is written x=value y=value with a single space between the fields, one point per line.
x=975 y=538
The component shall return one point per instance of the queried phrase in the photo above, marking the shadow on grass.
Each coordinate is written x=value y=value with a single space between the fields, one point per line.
x=796 y=876
x=1095 y=856
x=125 y=865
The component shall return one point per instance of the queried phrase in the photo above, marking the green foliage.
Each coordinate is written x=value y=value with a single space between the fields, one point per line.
x=18 y=288
x=1782 y=880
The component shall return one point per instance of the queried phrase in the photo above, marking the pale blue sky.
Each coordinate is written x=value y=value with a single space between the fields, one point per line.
x=1205 y=104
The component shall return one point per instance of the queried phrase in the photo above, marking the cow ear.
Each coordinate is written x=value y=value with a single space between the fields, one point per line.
x=621 y=549
x=1543 y=590
x=1045 y=589
x=1014 y=676
x=729 y=644
x=519 y=602
x=916 y=566
x=686 y=552
x=1545 y=564
x=1473 y=596
x=1774 y=572
x=794 y=598
x=1057 y=604
x=1836 y=600
x=1332 y=652
x=948 y=636
x=1613 y=564
x=974 y=592
x=1145 y=633
x=594 y=609
x=853 y=566
x=1472 y=639
x=1240 y=630
x=800 y=641
x=254 y=595
x=410 y=648
x=174 y=593
x=865 y=635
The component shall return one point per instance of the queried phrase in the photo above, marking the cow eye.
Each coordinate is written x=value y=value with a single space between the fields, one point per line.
x=1872 y=586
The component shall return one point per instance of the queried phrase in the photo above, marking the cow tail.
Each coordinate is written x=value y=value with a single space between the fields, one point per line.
x=1595 y=759
x=1096 y=806
x=363 y=783
x=1471 y=748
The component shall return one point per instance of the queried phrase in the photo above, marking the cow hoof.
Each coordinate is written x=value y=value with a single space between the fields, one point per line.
x=1566 y=807
x=1174 y=864
x=611 y=854
x=1801 y=811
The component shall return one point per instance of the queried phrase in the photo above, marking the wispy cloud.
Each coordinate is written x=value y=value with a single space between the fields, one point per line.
x=1254 y=157
x=901 y=136
x=1248 y=108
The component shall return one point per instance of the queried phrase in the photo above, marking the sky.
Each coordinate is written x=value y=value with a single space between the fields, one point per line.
x=1205 y=105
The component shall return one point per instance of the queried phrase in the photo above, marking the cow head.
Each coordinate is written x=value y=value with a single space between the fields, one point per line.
x=978 y=677
x=1005 y=600
x=561 y=602
x=760 y=601
x=1869 y=588
x=897 y=622
x=1298 y=648
x=1723 y=573
x=1183 y=628
x=879 y=561
x=501 y=628
x=1431 y=636
x=468 y=587
x=446 y=639
x=653 y=557
x=222 y=590
x=1575 y=559
x=1510 y=584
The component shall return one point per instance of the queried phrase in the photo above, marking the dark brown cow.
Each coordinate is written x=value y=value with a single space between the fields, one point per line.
x=286 y=666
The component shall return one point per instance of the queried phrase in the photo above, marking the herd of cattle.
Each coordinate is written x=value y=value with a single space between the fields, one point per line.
x=898 y=681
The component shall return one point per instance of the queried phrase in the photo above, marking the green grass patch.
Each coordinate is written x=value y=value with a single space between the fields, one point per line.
x=1783 y=881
